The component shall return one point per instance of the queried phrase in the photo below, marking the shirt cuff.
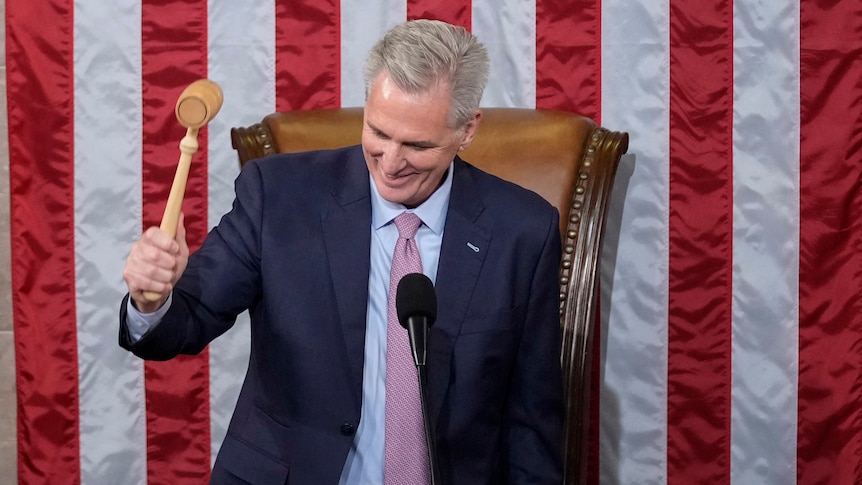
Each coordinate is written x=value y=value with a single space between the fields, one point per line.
x=140 y=323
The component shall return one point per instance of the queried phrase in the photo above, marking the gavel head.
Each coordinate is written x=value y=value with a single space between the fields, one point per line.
x=199 y=103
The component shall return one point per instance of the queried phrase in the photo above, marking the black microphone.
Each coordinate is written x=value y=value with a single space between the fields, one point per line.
x=416 y=306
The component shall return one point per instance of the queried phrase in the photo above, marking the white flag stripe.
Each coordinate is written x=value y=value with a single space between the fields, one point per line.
x=362 y=23
x=242 y=61
x=636 y=97
x=108 y=147
x=765 y=243
x=507 y=28
x=635 y=94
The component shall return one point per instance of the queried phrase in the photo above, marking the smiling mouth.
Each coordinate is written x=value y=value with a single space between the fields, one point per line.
x=398 y=176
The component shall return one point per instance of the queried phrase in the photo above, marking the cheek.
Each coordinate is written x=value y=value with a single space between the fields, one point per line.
x=371 y=144
x=432 y=163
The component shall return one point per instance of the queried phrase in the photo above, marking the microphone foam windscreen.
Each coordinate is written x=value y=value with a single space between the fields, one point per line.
x=416 y=297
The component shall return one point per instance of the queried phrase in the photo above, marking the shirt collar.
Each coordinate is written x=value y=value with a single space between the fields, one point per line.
x=432 y=211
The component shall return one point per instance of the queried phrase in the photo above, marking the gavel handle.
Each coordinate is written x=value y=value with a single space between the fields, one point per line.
x=171 y=217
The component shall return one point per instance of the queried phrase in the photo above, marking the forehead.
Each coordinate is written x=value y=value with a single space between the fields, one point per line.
x=389 y=108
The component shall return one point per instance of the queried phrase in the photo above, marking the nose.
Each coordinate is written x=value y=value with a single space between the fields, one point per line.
x=392 y=158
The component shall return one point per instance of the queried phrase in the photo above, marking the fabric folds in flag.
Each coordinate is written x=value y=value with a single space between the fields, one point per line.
x=731 y=335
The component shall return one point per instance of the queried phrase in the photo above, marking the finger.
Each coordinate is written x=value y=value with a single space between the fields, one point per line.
x=146 y=253
x=157 y=238
x=145 y=301
x=146 y=275
x=155 y=268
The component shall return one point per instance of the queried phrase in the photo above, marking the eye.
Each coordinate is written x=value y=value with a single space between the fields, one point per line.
x=379 y=134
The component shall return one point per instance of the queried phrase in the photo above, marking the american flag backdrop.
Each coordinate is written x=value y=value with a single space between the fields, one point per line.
x=731 y=343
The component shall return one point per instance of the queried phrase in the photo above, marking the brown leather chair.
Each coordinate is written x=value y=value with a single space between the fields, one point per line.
x=564 y=157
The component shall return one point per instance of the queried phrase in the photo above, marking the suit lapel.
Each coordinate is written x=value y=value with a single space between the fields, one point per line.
x=346 y=231
x=462 y=254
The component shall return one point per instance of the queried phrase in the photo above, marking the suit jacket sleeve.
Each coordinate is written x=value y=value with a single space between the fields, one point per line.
x=222 y=279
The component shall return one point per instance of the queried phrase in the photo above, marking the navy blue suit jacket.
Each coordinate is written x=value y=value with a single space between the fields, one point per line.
x=294 y=250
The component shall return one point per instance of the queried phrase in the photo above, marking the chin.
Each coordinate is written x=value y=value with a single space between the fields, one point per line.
x=402 y=201
x=396 y=195
x=392 y=196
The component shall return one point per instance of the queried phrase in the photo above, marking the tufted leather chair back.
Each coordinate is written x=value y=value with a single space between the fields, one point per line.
x=563 y=157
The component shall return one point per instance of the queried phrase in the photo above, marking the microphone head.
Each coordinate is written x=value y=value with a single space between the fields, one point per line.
x=415 y=297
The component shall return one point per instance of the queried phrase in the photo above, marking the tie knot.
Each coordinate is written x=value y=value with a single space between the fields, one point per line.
x=407 y=223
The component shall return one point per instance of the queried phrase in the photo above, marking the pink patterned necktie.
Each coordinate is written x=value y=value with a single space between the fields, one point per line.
x=406 y=456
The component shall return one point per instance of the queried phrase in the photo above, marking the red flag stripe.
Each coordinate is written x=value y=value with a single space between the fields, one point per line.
x=307 y=59
x=455 y=12
x=823 y=442
x=41 y=171
x=700 y=234
x=568 y=56
x=568 y=77
x=830 y=261
x=174 y=54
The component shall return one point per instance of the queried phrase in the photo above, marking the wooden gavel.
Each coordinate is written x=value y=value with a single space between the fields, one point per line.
x=196 y=106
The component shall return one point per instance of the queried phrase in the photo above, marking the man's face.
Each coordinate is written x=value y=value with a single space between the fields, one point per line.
x=407 y=142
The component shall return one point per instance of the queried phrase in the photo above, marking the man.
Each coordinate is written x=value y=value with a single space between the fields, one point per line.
x=307 y=248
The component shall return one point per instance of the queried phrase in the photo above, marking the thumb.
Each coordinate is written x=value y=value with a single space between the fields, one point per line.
x=181 y=234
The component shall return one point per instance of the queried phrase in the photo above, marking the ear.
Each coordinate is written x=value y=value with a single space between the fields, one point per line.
x=470 y=129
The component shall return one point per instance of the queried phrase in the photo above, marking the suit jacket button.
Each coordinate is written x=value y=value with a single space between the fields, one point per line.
x=348 y=429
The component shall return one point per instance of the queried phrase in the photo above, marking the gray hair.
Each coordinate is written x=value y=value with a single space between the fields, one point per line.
x=421 y=54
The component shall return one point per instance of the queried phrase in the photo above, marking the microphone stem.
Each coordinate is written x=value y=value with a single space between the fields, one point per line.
x=429 y=431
